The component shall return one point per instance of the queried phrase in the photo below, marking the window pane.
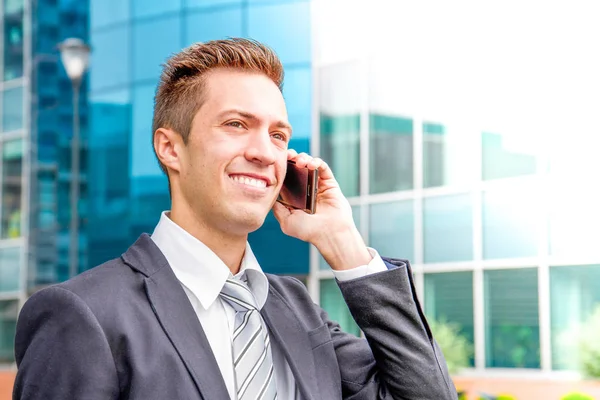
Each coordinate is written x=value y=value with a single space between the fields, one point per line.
x=512 y=327
x=297 y=91
x=10 y=265
x=504 y=156
x=448 y=228
x=449 y=298
x=143 y=161
x=110 y=45
x=8 y=329
x=210 y=3
x=153 y=42
x=391 y=155
x=209 y=25
x=333 y=302
x=574 y=220
x=108 y=12
x=391 y=229
x=510 y=223
x=448 y=155
x=285 y=28
x=339 y=102
x=574 y=294
x=146 y=8
x=12 y=109
x=356 y=216
x=13 y=39
x=12 y=163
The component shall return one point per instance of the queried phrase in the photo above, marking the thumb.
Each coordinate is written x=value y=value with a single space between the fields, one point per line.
x=281 y=212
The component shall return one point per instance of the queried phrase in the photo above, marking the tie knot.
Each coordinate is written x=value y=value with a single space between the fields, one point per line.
x=237 y=294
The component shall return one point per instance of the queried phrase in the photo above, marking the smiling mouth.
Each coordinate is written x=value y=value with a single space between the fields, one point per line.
x=244 y=180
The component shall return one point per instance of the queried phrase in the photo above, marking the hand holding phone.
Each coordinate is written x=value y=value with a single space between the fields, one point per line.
x=299 y=190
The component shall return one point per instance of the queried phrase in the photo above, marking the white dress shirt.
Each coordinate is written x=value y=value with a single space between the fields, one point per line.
x=202 y=275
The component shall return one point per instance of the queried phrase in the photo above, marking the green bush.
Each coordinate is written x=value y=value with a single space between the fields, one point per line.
x=589 y=345
x=576 y=396
x=456 y=348
x=505 y=397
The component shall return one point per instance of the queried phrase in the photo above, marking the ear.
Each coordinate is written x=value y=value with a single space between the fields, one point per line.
x=168 y=146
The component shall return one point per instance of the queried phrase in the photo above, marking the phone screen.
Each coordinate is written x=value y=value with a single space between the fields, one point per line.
x=299 y=188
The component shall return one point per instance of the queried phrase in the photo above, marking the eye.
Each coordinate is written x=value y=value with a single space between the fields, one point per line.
x=235 y=124
x=279 y=136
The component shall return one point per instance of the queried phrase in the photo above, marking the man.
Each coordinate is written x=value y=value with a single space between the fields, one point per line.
x=187 y=313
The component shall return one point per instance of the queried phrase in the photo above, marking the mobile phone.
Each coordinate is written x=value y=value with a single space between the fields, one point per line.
x=299 y=190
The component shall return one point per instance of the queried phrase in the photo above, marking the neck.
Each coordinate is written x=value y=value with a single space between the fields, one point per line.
x=229 y=248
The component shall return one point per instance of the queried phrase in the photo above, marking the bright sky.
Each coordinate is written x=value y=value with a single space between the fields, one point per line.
x=528 y=69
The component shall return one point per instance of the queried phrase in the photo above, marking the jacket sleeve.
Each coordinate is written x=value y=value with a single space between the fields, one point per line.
x=61 y=350
x=401 y=359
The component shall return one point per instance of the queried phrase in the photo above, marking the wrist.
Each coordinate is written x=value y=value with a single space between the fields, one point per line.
x=344 y=249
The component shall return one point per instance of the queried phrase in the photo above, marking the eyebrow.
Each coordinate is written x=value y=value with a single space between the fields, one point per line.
x=279 y=124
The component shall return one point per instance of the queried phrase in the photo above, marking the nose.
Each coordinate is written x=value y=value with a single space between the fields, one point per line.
x=261 y=149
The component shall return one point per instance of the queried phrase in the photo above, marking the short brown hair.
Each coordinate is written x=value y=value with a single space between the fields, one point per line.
x=179 y=95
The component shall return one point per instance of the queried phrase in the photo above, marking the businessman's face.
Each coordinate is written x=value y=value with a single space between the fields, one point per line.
x=235 y=160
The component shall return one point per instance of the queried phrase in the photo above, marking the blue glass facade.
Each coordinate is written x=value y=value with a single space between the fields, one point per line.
x=51 y=127
x=130 y=41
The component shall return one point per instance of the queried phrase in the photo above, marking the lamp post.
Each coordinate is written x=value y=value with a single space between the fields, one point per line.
x=74 y=54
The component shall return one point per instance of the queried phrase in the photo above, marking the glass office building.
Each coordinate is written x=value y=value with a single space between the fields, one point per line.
x=36 y=120
x=445 y=161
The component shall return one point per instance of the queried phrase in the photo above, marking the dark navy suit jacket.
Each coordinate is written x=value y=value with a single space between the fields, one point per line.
x=126 y=330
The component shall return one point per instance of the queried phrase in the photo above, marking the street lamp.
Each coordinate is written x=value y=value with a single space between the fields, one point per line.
x=75 y=55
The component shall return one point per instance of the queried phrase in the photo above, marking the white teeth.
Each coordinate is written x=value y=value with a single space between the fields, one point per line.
x=249 y=181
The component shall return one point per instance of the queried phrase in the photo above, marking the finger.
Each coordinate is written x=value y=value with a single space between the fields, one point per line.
x=292 y=154
x=302 y=159
x=315 y=163
x=281 y=212
x=324 y=170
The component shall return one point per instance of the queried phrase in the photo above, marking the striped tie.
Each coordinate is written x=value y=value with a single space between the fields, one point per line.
x=251 y=345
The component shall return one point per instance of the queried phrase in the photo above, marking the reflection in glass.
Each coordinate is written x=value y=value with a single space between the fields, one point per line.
x=510 y=223
x=110 y=45
x=153 y=42
x=505 y=157
x=143 y=161
x=574 y=295
x=12 y=160
x=214 y=24
x=107 y=12
x=448 y=155
x=339 y=103
x=12 y=109
x=10 y=266
x=574 y=219
x=109 y=183
x=210 y=3
x=333 y=302
x=8 y=327
x=512 y=327
x=284 y=28
x=391 y=153
x=449 y=299
x=297 y=92
x=13 y=39
x=147 y=8
x=448 y=228
x=391 y=229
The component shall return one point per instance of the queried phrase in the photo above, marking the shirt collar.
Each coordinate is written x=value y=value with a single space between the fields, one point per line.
x=199 y=269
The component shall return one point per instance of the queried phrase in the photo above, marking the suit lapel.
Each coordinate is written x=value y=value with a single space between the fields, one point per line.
x=293 y=340
x=177 y=318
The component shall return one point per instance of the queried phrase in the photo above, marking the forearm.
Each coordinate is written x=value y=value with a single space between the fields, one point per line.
x=386 y=308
